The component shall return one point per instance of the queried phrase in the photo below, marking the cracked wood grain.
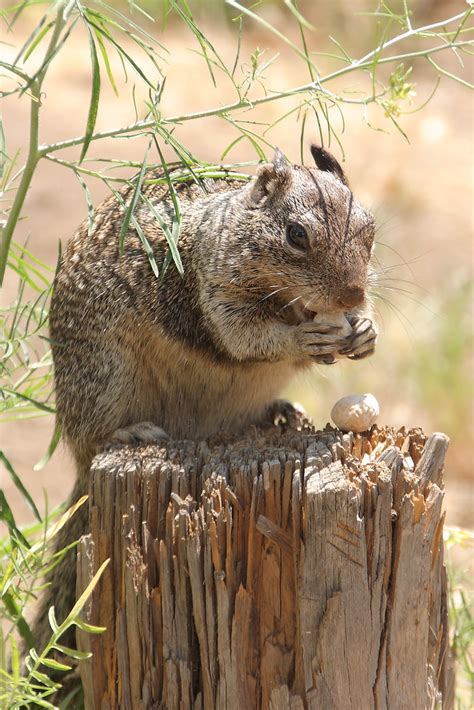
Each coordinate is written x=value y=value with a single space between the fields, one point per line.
x=282 y=569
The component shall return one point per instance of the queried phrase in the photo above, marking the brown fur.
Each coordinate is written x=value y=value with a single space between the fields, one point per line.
x=211 y=350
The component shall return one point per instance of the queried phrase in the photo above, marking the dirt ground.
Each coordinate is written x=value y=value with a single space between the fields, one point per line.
x=421 y=194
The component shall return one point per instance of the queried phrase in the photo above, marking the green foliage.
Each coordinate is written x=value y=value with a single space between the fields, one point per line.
x=26 y=362
x=443 y=362
x=24 y=560
x=460 y=547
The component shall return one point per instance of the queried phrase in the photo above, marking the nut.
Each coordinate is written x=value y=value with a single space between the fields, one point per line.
x=338 y=320
x=356 y=412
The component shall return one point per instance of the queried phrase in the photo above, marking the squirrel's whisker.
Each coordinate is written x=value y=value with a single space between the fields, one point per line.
x=269 y=295
x=289 y=304
x=397 y=312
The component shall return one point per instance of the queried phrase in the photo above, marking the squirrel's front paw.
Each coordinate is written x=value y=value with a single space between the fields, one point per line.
x=135 y=435
x=361 y=342
x=319 y=341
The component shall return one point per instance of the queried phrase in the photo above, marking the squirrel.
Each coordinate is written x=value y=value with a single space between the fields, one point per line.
x=138 y=358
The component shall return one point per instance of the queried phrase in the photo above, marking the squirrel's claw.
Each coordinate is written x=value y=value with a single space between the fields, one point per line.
x=362 y=341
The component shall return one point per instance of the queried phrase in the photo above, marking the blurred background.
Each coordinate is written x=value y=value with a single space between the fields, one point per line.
x=419 y=189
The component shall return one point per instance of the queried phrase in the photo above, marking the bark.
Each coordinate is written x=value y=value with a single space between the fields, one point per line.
x=285 y=569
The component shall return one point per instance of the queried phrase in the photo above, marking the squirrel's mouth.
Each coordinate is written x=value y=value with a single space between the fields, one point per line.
x=299 y=314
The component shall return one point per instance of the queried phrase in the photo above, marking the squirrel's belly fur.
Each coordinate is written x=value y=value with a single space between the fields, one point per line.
x=191 y=396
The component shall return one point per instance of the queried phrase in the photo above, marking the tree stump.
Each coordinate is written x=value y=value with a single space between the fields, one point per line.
x=283 y=569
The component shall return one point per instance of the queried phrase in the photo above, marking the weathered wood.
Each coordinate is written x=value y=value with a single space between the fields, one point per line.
x=283 y=570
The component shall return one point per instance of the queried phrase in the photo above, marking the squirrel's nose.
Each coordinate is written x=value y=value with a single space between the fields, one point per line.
x=351 y=296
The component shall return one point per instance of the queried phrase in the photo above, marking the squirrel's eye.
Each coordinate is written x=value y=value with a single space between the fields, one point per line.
x=296 y=236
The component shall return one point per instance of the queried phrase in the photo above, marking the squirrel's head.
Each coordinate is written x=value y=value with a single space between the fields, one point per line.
x=309 y=238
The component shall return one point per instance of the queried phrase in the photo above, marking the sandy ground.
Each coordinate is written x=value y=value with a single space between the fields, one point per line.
x=421 y=192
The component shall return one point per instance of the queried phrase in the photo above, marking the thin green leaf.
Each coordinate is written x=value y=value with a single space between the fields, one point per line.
x=123 y=53
x=55 y=665
x=41 y=701
x=3 y=149
x=203 y=41
x=39 y=405
x=73 y=652
x=168 y=235
x=231 y=145
x=44 y=680
x=132 y=204
x=171 y=187
x=128 y=21
x=271 y=28
x=105 y=57
x=302 y=131
x=14 y=660
x=38 y=39
x=89 y=628
x=78 y=606
x=50 y=450
x=49 y=58
x=95 y=94
x=18 y=618
x=58 y=524
x=450 y=75
x=146 y=246
x=299 y=17
x=399 y=128
x=29 y=39
x=19 y=486
x=239 y=42
x=18 y=10
x=32 y=257
x=52 y=619
x=8 y=518
x=89 y=203
x=19 y=269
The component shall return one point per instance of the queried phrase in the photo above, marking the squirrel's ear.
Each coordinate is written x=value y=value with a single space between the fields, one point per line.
x=272 y=178
x=326 y=161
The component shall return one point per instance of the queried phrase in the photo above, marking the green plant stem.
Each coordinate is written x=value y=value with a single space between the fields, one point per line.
x=246 y=103
x=30 y=165
x=33 y=152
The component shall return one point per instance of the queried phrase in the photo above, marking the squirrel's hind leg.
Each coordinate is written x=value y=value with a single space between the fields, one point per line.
x=139 y=434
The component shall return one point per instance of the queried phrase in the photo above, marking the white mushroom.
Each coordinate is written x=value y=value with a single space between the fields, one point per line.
x=356 y=412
